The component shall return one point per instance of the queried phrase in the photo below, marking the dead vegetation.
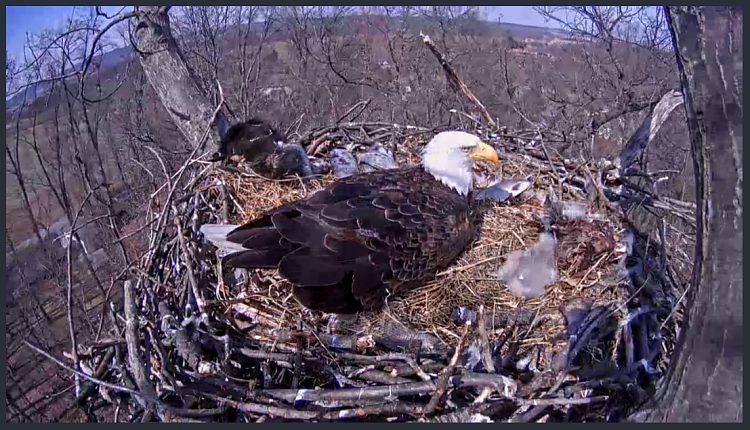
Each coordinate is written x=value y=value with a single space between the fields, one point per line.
x=202 y=344
x=197 y=344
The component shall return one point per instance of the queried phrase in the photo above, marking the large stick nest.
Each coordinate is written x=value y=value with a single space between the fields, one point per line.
x=219 y=346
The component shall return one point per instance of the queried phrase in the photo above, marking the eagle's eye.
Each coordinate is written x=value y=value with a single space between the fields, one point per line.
x=468 y=148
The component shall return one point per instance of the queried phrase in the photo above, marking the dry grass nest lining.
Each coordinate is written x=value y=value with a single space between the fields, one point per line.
x=470 y=282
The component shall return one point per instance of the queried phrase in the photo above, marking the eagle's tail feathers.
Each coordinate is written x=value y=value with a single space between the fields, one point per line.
x=217 y=235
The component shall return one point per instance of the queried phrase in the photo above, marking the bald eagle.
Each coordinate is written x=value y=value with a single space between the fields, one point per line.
x=350 y=245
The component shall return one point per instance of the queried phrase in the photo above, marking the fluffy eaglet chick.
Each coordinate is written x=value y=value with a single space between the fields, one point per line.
x=264 y=150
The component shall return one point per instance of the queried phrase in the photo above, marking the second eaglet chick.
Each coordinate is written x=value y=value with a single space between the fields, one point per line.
x=528 y=272
x=264 y=150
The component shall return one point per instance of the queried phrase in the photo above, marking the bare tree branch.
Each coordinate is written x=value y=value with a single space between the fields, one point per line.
x=639 y=141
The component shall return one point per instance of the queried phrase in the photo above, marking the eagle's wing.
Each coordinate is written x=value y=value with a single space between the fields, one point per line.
x=344 y=245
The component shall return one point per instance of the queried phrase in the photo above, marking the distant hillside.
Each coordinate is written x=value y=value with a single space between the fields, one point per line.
x=113 y=58
x=106 y=62
x=29 y=94
x=520 y=31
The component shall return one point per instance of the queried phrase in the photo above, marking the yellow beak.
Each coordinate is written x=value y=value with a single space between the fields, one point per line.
x=484 y=152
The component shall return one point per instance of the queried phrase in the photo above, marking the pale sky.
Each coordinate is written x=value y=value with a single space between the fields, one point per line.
x=525 y=15
x=22 y=19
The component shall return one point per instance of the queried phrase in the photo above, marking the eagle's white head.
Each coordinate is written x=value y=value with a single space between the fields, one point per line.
x=450 y=155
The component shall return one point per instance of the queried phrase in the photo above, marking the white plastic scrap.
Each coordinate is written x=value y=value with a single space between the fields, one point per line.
x=473 y=356
x=479 y=418
x=206 y=368
x=577 y=211
x=528 y=272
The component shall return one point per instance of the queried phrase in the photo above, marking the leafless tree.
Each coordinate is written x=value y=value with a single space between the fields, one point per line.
x=101 y=142
x=704 y=382
x=620 y=64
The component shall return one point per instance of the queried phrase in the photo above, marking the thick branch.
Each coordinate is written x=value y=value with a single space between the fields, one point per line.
x=639 y=141
x=169 y=75
x=150 y=398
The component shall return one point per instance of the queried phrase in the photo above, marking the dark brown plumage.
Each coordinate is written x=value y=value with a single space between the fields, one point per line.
x=348 y=246
x=263 y=149
x=364 y=237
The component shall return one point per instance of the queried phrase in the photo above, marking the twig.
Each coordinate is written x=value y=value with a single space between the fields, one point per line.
x=409 y=360
x=136 y=366
x=256 y=408
x=442 y=382
x=549 y=160
x=467 y=379
x=676 y=306
x=561 y=401
x=486 y=357
x=457 y=82
x=380 y=359
x=383 y=378
x=470 y=266
x=344 y=380
x=100 y=371
x=163 y=167
x=189 y=264
x=69 y=291
x=81 y=374
x=116 y=20
x=363 y=103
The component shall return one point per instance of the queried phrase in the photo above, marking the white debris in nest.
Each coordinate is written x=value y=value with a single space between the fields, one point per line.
x=577 y=211
x=528 y=272
x=479 y=418
x=206 y=368
x=501 y=190
x=473 y=356
x=523 y=363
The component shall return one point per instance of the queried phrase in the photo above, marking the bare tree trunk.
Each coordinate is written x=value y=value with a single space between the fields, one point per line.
x=705 y=378
x=169 y=75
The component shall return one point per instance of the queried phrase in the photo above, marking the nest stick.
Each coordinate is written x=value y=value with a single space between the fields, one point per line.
x=100 y=371
x=266 y=410
x=82 y=374
x=380 y=377
x=467 y=379
x=150 y=398
x=442 y=382
x=409 y=360
x=189 y=263
x=486 y=357
x=132 y=340
x=561 y=401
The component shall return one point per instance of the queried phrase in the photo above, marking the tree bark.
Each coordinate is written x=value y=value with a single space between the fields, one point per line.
x=169 y=75
x=705 y=378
